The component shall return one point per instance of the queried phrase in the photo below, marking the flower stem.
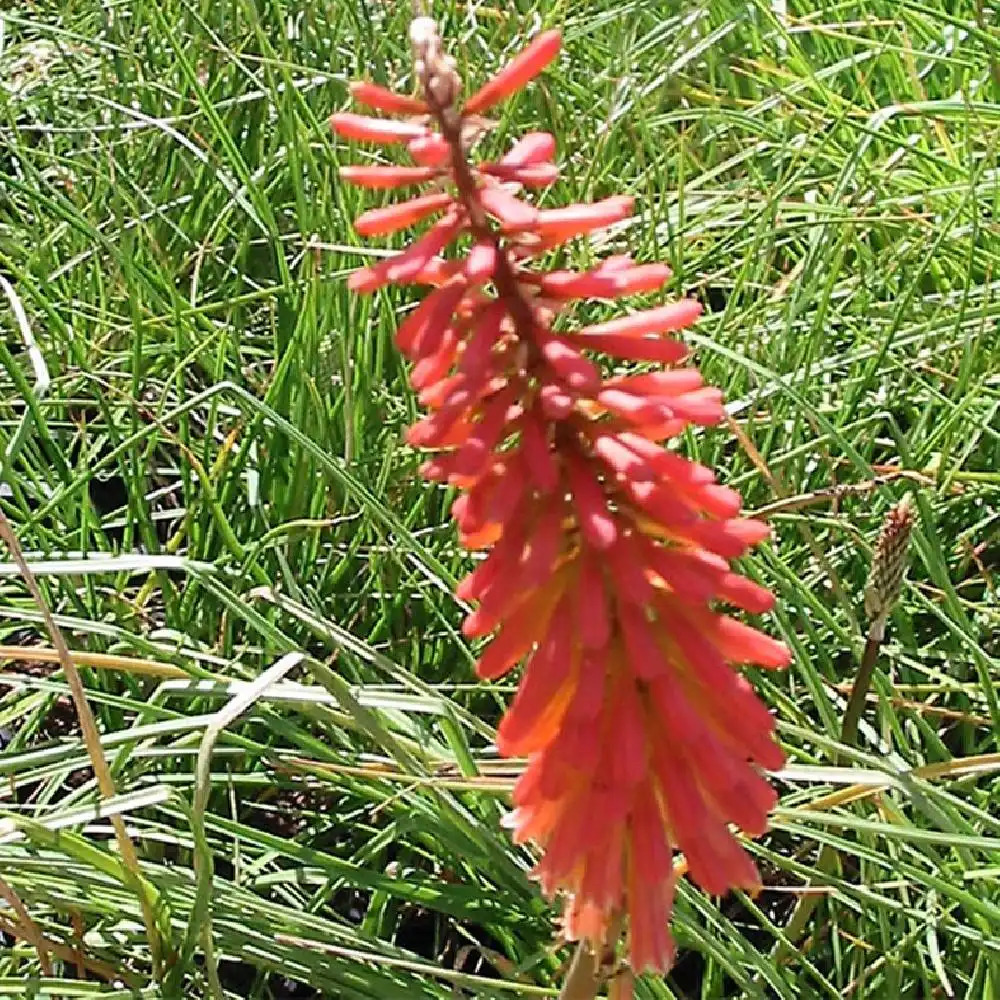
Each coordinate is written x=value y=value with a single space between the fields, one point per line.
x=826 y=863
x=588 y=969
x=859 y=692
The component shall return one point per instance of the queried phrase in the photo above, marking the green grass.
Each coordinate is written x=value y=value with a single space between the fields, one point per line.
x=175 y=239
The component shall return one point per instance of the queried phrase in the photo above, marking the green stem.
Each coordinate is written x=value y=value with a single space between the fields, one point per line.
x=862 y=684
x=826 y=864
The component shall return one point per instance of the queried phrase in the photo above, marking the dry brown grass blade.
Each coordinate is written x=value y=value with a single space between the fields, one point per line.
x=831 y=494
x=97 y=661
x=91 y=739
x=26 y=928
x=65 y=953
x=776 y=484
x=922 y=707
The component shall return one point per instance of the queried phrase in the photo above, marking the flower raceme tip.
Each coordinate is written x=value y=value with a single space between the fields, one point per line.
x=607 y=553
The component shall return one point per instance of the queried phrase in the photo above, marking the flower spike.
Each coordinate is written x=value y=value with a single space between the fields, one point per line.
x=607 y=554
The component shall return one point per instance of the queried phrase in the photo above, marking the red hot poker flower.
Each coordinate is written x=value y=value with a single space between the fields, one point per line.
x=606 y=553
